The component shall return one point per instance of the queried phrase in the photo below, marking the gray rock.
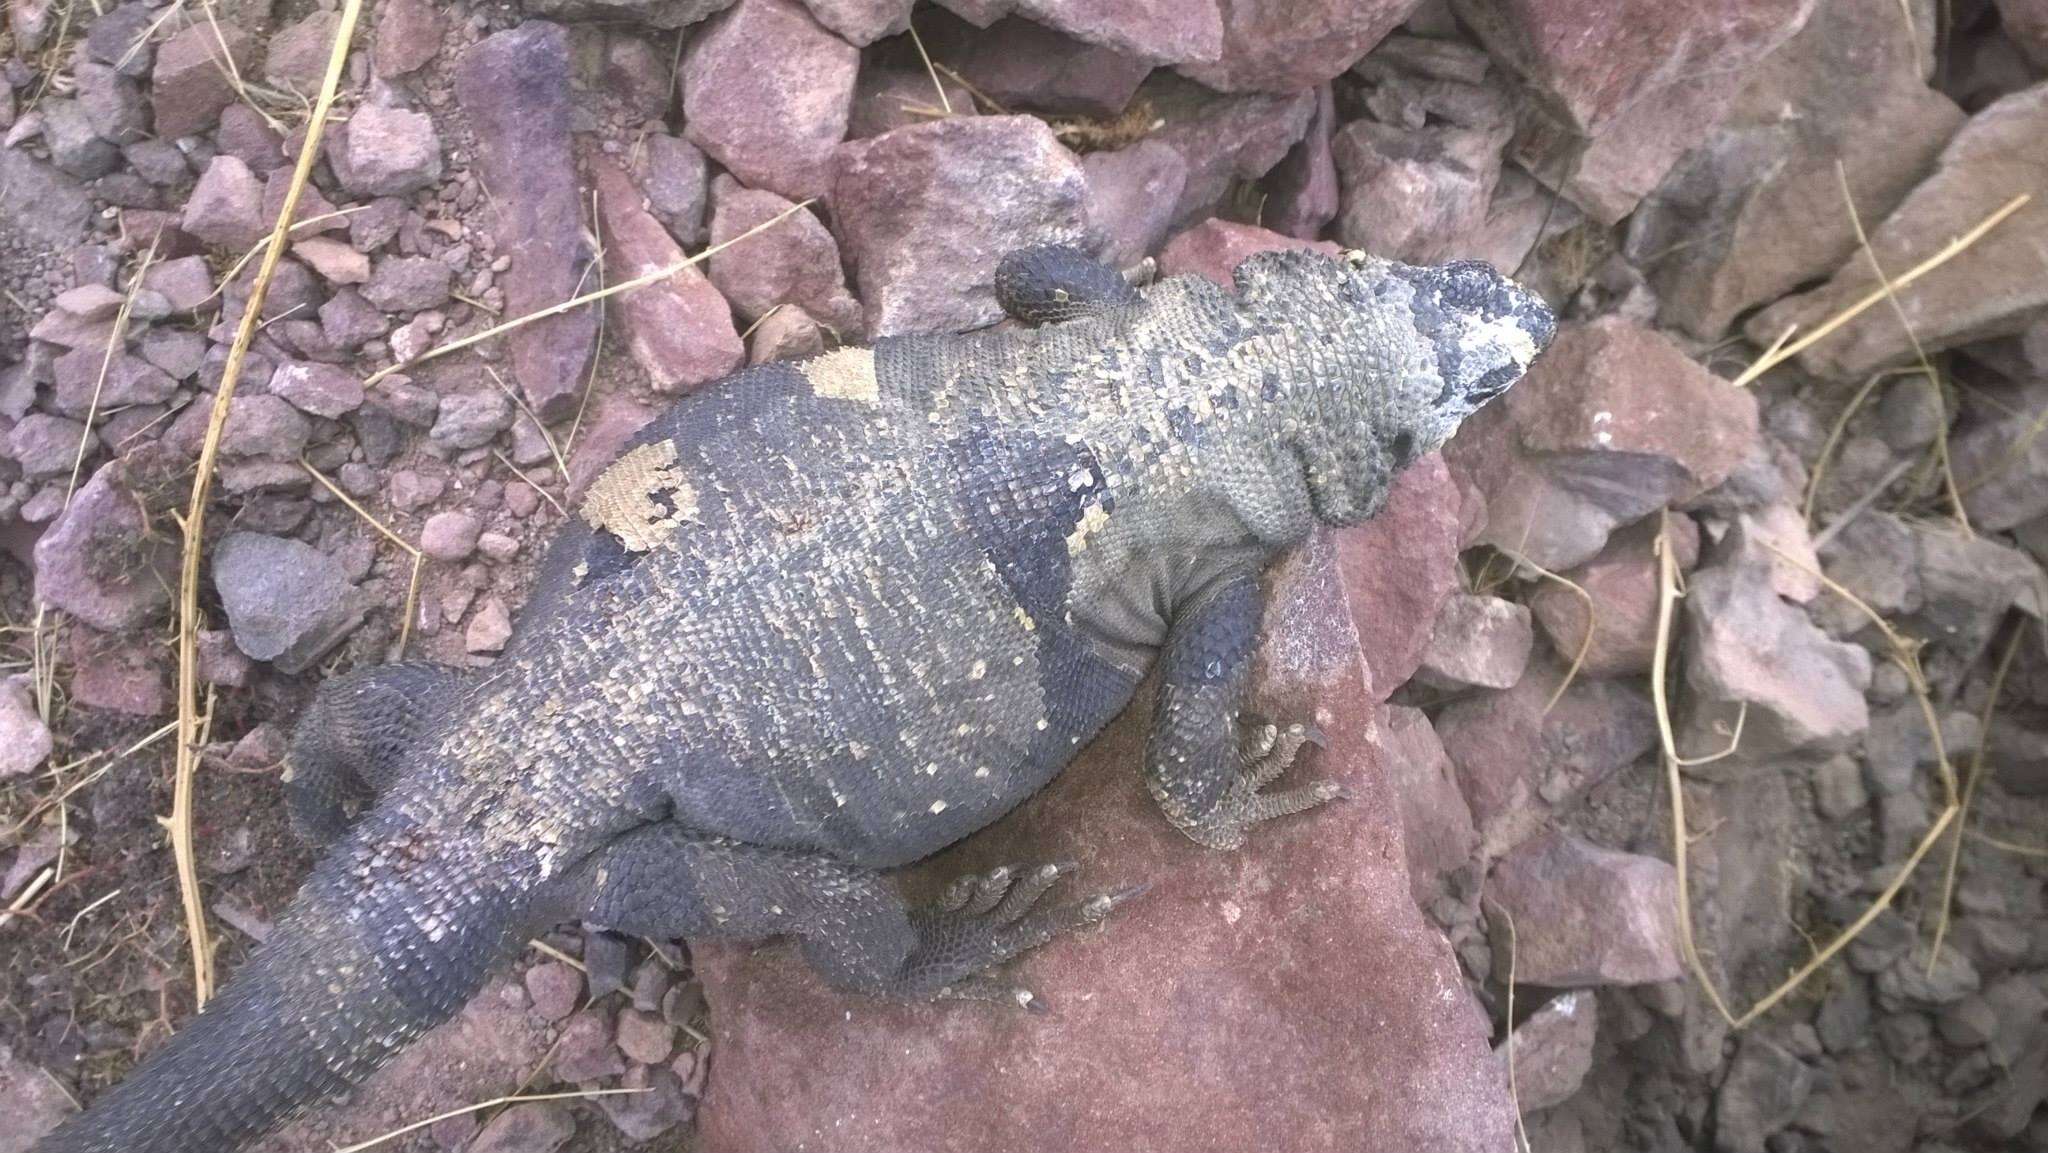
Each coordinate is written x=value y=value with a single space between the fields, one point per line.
x=530 y=1127
x=1585 y=915
x=98 y=561
x=286 y=601
x=794 y=262
x=188 y=86
x=74 y=146
x=1477 y=642
x=450 y=536
x=408 y=283
x=320 y=389
x=1553 y=1050
x=471 y=419
x=263 y=426
x=46 y=446
x=33 y=1101
x=1131 y=195
x=677 y=185
x=24 y=739
x=1763 y=1092
x=386 y=152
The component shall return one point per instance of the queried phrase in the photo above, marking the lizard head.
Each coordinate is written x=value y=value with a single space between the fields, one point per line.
x=1402 y=355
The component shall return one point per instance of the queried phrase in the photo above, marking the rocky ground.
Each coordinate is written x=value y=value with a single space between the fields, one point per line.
x=1675 y=178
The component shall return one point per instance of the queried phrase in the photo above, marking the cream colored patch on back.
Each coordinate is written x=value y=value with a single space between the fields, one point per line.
x=622 y=500
x=1092 y=518
x=844 y=374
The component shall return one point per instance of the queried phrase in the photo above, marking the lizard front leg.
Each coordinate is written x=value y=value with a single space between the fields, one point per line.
x=348 y=747
x=666 y=880
x=1204 y=766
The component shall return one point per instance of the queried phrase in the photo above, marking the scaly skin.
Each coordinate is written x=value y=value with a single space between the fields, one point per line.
x=823 y=619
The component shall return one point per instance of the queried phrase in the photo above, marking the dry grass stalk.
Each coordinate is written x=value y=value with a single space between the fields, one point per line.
x=945 y=102
x=575 y=302
x=412 y=588
x=479 y=1107
x=194 y=522
x=1514 y=1087
x=1785 y=351
x=1970 y=778
x=1834 y=440
x=116 y=340
x=1592 y=622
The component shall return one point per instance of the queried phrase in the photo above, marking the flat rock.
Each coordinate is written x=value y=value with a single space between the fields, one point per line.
x=678 y=329
x=386 y=151
x=766 y=92
x=1436 y=824
x=925 y=212
x=514 y=85
x=1553 y=1050
x=1131 y=194
x=320 y=389
x=1399 y=567
x=409 y=33
x=189 y=87
x=97 y=561
x=1764 y=1089
x=286 y=602
x=1756 y=209
x=1612 y=423
x=1023 y=64
x=1584 y=915
x=1269 y=47
x=677 y=183
x=1401 y=1060
x=408 y=283
x=1478 y=642
x=1992 y=289
x=1748 y=646
x=795 y=262
x=45 y=445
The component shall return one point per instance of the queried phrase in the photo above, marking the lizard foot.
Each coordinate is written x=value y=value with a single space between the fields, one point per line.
x=985 y=919
x=1266 y=752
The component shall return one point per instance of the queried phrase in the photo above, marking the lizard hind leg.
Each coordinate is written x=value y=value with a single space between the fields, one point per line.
x=352 y=740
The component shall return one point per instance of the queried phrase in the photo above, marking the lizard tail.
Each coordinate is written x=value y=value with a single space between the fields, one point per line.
x=362 y=962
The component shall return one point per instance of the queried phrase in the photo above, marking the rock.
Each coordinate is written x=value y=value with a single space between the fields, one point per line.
x=1838 y=790
x=531 y=1127
x=386 y=152
x=1763 y=1092
x=1966 y=585
x=1611 y=424
x=862 y=22
x=585 y=1051
x=794 y=262
x=45 y=445
x=786 y=334
x=350 y=321
x=226 y=206
x=677 y=185
x=24 y=739
x=678 y=329
x=1414 y=195
x=1402 y=1059
x=1478 y=642
x=1224 y=140
x=606 y=957
x=47 y=206
x=514 y=85
x=489 y=629
x=1991 y=289
x=1518 y=756
x=1302 y=193
x=335 y=261
x=1584 y=915
x=1756 y=210
x=555 y=987
x=409 y=33
x=1969 y=1023
x=1157 y=31
x=112 y=103
x=119 y=36
x=1774 y=538
x=472 y=419
x=319 y=389
x=766 y=92
x=1909 y=980
x=1622 y=583
x=1131 y=194
x=35 y=1100
x=245 y=135
x=1021 y=64
x=259 y=425
x=925 y=212
x=1843 y=1021
x=450 y=536
x=120 y=678
x=612 y=421
x=647 y=1115
x=1398 y=569
x=1269 y=47
x=1214 y=249
x=297 y=59
x=188 y=87
x=1436 y=824
x=408 y=283
x=1553 y=1050
x=645 y=1037
x=286 y=602
x=185 y=282
x=98 y=562
x=1745 y=645
x=2001 y=466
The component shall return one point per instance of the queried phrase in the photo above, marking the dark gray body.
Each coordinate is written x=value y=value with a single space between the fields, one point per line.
x=826 y=618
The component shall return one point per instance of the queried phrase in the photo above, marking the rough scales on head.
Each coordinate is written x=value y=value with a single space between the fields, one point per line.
x=826 y=618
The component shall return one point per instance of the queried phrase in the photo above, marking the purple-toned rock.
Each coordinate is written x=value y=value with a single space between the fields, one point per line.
x=532 y=1127
x=1214 y=248
x=2002 y=468
x=925 y=212
x=336 y=261
x=471 y=418
x=189 y=86
x=1225 y=140
x=1131 y=195
x=1285 y=45
x=99 y=560
x=2026 y=23
x=386 y=152
x=862 y=22
x=638 y=73
x=1612 y=423
x=226 y=206
x=886 y=98
x=1756 y=209
x=1518 y=756
x=1402 y=1059
x=112 y=103
x=119 y=678
x=586 y=1052
x=1414 y=195
x=793 y=262
x=786 y=334
x=245 y=135
x=74 y=145
x=408 y=283
x=1398 y=569
x=24 y=739
x=555 y=987
x=1991 y=289
x=321 y=389
x=1436 y=824
x=261 y=426
x=297 y=59
x=185 y=282
x=1302 y=194
x=45 y=445
x=1748 y=646
x=88 y=380
x=1584 y=915
x=515 y=87
x=661 y=1106
x=678 y=329
x=36 y=1101
x=1022 y=64
x=1622 y=584
x=409 y=33
x=450 y=536
x=645 y=1037
x=1765 y=1087
x=612 y=421
x=1553 y=1050
x=766 y=92
x=489 y=630
x=1478 y=642
x=676 y=181
x=286 y=601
